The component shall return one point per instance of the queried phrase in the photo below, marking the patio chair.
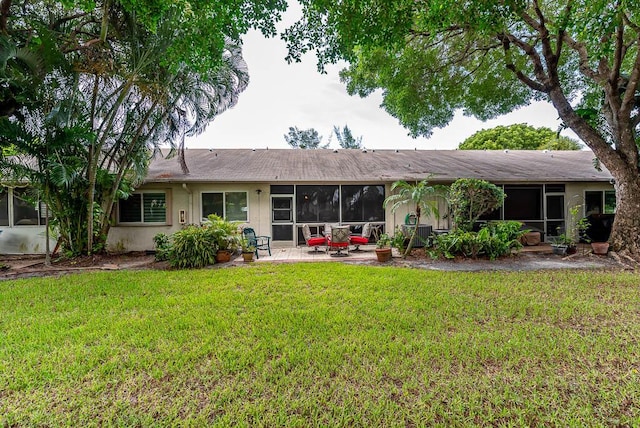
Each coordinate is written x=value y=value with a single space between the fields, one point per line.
x=312 y=240
x=260 y=242
x=339 y=241
x=362 y=239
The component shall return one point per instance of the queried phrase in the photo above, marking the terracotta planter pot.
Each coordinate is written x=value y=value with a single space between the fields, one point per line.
x=223 y=256
x=248 y=257
x=600 y=248
x=383 y=254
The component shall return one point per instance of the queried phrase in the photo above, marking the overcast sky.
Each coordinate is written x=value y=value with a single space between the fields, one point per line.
x=281 y=95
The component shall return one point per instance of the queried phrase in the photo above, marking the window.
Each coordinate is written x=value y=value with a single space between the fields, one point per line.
x=523 y=202
x=4 y=207
x=24 y=211
x=279 y=189
x=282 y=209
x=147 y=207
x=600 y=202
x=362 y=203
x=317 y=204
x=232 y=206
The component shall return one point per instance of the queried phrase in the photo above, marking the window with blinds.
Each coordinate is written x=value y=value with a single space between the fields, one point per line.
x=148 y=207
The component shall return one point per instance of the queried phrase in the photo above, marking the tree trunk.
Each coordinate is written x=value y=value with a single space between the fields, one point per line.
x=625 y=233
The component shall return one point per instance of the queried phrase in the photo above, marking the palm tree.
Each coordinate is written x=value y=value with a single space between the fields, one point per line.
x=421 y=195
x=196 y=99
x=126 y=102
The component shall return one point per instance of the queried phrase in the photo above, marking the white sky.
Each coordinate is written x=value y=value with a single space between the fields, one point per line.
x=281 y=95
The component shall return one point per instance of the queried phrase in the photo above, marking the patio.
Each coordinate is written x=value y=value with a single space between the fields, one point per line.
x=307 y=254
x=366 y=252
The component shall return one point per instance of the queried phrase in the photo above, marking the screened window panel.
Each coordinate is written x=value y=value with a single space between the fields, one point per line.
x=282 y=232
x=362 y=203
x=212 y=203
x=236 y=206
x=155 y=207
x=555 y=207
x=555 y=188
x=24 y=212
x=523 y=203
x=316 y=204
x=280 y=189
x=609 y=202
x=4 y=207
x=593 y=202
x=131 y=209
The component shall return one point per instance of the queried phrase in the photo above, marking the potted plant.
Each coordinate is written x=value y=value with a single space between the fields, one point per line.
x=248 y=250
x=399 y=240
x=560 y=244
x=225 y=236
x=383 y=248
x=600 y=248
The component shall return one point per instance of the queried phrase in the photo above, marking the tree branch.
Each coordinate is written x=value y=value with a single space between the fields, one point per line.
x=507 y=40
x=5 y=7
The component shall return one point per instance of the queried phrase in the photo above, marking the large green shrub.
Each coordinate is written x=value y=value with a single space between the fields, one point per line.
x=196 y=246
x=493 y=240
x=470 y=198
x=193 y=247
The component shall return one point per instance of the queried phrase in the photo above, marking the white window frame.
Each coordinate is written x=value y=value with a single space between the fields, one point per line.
x=224 y=202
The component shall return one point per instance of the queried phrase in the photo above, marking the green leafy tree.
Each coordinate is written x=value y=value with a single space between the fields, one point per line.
x=434 y=58
x=116 y=77
x=423 y=198
x=304 y=139
x=518 y=137
x=470 y=198
x=346 y=139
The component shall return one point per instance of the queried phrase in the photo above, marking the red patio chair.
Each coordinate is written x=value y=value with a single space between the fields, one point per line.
x=312 y=240
x=362 y=239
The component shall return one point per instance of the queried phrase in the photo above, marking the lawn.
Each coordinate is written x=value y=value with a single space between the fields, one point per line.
x=321 y=345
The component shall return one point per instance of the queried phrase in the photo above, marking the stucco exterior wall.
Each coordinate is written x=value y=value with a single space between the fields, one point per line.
x=24 y=240
x=189 y=198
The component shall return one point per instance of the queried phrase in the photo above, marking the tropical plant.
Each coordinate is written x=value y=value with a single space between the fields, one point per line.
x=493 y=240
x=247 y=246
x=421 y=196
x=193 y=247
x=433 y=59
x=470 y=198
x=518 y=137
x=104 y=109
x=384 y=241
x=163 y=246
x=225 y=233
x=399 y=240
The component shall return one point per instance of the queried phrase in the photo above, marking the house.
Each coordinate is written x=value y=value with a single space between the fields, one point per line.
x=277 y=191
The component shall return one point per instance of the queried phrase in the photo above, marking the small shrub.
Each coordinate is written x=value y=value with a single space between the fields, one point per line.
x=163 y=246
x=193 y=247
x=399 y=240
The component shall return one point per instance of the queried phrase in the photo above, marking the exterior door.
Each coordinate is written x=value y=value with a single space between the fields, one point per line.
x=555 y=215
x=282 y=218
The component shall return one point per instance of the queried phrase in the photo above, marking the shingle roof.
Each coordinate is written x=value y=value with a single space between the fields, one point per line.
x=325 y=165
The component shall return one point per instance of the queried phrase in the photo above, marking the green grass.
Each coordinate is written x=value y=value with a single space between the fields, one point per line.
x=321 y=345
